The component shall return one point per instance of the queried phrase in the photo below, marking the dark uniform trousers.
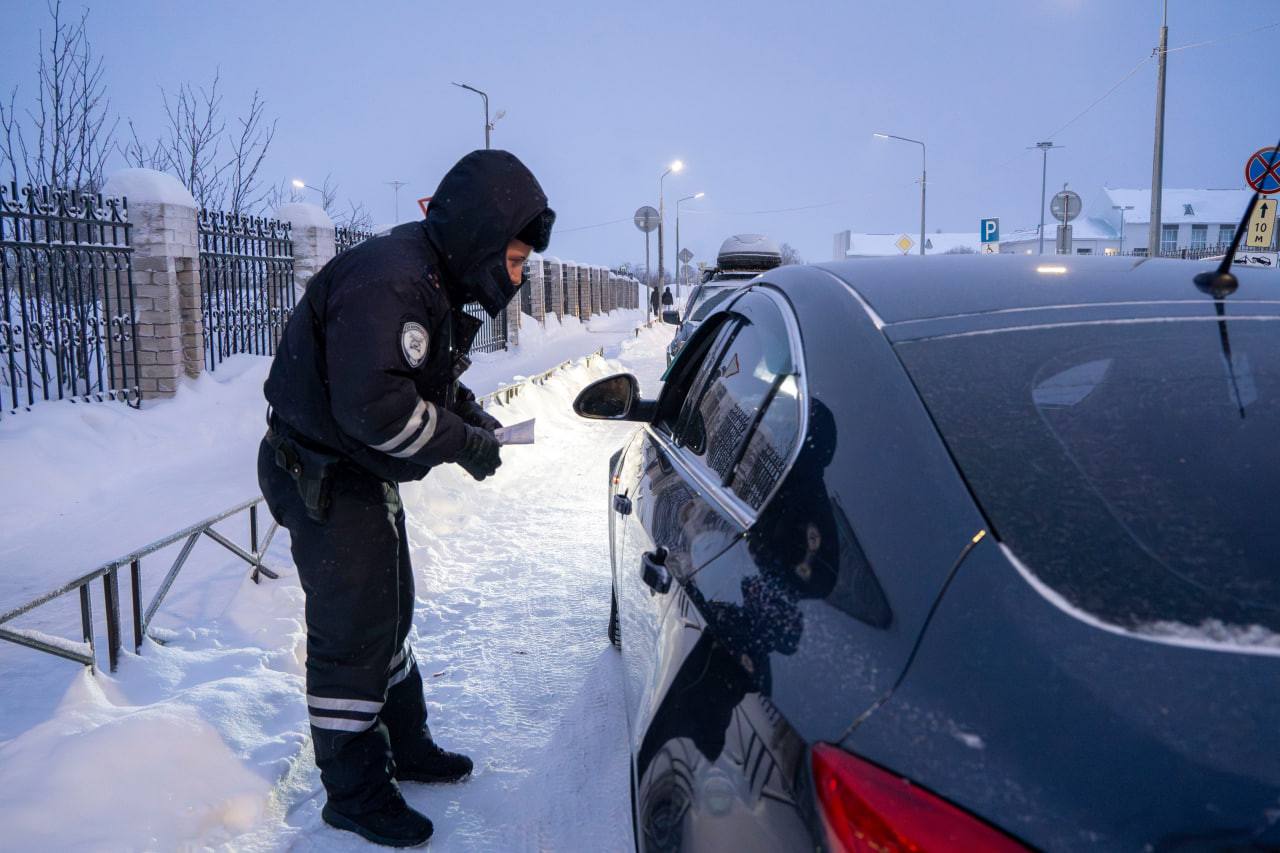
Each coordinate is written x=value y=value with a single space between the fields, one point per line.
x=364 y=692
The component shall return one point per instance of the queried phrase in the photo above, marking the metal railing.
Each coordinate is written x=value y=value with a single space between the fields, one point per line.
x=66 y=278
x=345 y=237
x=85 y=651
x=246 y=279
x=493 y=334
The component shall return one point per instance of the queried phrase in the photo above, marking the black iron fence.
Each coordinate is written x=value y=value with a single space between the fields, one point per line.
x=344 y=238
x=493 y=334
x=246 y=278
x=66 y=277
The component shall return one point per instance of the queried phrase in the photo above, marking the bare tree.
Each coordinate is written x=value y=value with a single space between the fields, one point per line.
x=790 y=255
x=248 y=149
x=190 y=146
x=69 y=133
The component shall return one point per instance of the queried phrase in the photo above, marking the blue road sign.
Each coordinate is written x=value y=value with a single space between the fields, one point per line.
x=990 y=231
x=1262 y=170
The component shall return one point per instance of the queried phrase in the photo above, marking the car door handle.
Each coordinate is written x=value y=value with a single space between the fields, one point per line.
x=654 y=571
x=622 y=504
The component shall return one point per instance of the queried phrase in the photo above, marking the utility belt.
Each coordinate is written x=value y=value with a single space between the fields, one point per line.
x=312 y=470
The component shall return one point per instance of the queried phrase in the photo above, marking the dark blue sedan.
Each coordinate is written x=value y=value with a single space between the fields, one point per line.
x=970 y=553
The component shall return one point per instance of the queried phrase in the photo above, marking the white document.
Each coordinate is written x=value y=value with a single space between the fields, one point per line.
x=521 y=433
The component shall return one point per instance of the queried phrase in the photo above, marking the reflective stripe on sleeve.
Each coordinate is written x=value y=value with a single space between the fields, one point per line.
x=428 y=430
x=415 y=420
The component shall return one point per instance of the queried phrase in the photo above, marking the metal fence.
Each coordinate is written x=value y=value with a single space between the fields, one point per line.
x=246 y=278
x=66 y=277
x=493 y=334
x=344 y=238
x=85 y=651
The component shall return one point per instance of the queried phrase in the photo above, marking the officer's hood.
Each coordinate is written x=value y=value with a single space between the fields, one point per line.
x=483 y=202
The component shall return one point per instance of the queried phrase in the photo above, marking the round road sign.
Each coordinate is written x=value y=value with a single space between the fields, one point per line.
x=646 y=219
x=1262 y=170
x=1065 y=206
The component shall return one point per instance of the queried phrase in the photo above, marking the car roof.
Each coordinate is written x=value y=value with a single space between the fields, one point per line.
x=912 y=288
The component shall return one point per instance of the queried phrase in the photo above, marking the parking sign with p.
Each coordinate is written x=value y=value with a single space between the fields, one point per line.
x=989 y=231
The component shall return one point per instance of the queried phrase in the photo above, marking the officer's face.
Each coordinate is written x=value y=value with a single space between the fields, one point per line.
x=517 y=253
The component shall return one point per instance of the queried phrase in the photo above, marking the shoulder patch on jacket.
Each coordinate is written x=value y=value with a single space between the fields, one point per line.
x=413 y=343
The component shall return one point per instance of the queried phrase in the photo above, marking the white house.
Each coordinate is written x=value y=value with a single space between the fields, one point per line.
x=849 y=244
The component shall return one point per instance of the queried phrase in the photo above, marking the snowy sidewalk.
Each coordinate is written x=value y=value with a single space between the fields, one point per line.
x=204 y=741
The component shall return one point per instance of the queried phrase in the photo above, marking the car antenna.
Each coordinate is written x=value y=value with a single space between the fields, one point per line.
x=1221 y=283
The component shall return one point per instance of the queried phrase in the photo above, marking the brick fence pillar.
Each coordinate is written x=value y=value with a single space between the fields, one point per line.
x=313 y=240
x=166 y=278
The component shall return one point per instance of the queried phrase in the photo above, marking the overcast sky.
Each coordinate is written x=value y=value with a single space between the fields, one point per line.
x=770 y=105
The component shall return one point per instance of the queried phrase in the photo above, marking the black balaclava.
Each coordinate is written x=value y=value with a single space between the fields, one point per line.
x=485 y=201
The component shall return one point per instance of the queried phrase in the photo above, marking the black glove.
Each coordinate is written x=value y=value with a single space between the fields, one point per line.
x=479 y=455
x=473 y=413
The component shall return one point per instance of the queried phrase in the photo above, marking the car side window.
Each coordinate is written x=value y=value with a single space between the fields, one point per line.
x=688 y=373
x=764 y=461
x=754 y=365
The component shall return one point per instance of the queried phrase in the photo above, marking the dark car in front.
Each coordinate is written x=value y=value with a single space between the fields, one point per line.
x=957 y=554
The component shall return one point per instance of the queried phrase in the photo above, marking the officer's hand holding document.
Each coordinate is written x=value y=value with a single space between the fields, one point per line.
x=521 y=433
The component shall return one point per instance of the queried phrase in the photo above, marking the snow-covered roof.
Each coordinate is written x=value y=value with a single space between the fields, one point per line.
x=876 y=245
x=1207 y=206
x=1083 y=228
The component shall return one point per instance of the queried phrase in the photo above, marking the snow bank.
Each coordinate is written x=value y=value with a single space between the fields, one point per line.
x=203 y=742
x=148 y=185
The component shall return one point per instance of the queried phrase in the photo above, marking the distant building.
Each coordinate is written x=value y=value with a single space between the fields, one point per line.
x=1192 y=221
x=850 y=244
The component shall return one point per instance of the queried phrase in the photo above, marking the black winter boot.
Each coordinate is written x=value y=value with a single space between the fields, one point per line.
x=426 y=762
x=395 y=824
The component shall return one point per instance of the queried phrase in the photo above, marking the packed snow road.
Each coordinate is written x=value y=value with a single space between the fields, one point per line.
x=203 y=742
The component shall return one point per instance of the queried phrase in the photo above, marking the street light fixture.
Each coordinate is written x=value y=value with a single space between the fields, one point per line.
x=923 y=174
x=299 y=184
x=488 y=125
x=1122 y=208
x=679 y=264
x=676 y=166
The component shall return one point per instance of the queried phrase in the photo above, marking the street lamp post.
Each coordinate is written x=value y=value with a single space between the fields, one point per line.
x=679 y=264
x=487 y=125
x=923 y=175
x=1122 y=208
x=1045 y=148
x=299 y=184
x=675 y=166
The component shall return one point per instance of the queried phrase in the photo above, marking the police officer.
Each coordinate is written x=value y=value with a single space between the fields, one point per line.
x=364 y=393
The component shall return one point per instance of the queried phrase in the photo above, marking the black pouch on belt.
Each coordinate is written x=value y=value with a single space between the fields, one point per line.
x=312 y=472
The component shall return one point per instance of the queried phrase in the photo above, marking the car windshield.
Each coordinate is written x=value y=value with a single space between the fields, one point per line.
x=707 y=300
x=1130 y=467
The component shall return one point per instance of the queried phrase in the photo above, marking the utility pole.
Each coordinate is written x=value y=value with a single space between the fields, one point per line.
x=1045 y=148
x=1157 y=161
x=488 y=125
x=396 y=185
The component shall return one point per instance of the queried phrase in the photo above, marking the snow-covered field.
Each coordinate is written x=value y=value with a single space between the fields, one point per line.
x=203 y=742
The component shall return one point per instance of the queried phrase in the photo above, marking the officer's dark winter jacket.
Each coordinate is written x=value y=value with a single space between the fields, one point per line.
x=366 y=367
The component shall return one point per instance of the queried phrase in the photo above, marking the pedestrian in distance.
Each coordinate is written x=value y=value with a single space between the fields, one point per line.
x=364 y=394
x=667 y=300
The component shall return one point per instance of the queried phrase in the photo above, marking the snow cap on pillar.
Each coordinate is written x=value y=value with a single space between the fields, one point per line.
x=148 y=186
x=303 y=215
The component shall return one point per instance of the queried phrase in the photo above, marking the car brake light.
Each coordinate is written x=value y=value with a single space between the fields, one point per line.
x=865 y=808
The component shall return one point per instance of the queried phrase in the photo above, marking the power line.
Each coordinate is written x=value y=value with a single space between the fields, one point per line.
x=597 y=225
x=1102 y=97
x=1270 y=26
x=774 y=210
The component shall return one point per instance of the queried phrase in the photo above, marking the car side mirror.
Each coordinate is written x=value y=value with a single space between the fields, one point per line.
x=671 y=318
x=614 y=398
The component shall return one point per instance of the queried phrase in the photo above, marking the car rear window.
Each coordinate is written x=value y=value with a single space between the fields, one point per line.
x=1132 y=467
x=708 y=299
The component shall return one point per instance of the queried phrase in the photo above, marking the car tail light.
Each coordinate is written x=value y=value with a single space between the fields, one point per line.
x=869 y=809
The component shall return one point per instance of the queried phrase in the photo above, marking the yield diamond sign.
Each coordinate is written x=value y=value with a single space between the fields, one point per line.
x=904 y=243
x=685 y=256
x=1262 y=225
x=1262 y=170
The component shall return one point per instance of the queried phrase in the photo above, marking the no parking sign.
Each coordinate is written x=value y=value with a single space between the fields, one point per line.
x=1262 y=170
